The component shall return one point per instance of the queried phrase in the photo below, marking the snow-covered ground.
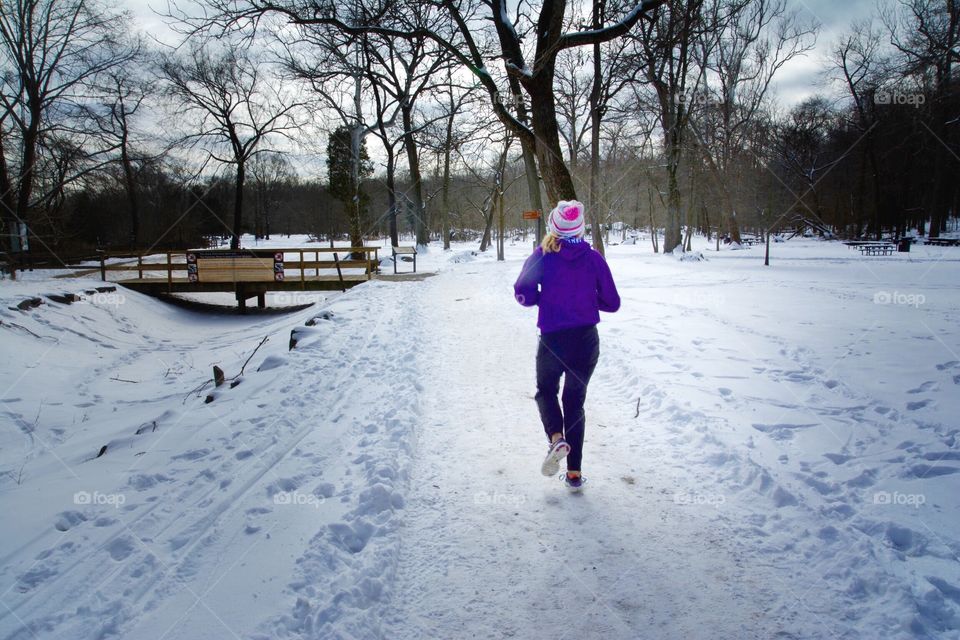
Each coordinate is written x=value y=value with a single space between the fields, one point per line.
x=771 y=452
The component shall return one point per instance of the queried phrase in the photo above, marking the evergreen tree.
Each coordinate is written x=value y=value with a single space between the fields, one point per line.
x=348 y=164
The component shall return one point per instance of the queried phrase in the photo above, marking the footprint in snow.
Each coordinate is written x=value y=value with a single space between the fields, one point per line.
x=66 y=520
x=34 y=577
x=926 y=386
x=783 y=498
x=836 y=458
x=144 y=481
x=948 y=590
x=905 y=539
x=120 y=548
x=351 y=538
x=947 y=365
x=931 y=470
x=919 y=404
x=781 y=431
x=936 y=456
x=196 y=454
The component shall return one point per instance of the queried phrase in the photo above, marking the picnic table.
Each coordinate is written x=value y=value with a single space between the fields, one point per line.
x=877 y=249
x=943 y=242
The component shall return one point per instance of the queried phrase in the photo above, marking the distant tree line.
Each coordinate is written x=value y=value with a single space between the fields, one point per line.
x=374 y=119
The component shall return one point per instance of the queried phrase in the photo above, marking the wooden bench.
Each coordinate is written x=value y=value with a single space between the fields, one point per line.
x=943 y=242
x=404 y=251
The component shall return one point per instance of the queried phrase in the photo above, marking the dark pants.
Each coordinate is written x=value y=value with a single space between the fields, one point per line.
x=572 y=353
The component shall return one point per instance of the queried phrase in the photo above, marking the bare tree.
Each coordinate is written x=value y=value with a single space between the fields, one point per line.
x=51 y=51
x=926 y=33
x=272 y=174
x=800 y=147
x=407 y=69
x=664 y=50
x=451 y=99
x=235 y=107
x=123 y=92
x=861 y=64
x=750 y=44
x=573 y=87
x=460 y=38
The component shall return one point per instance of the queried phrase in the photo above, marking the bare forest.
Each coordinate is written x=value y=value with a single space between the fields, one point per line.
x=432 y=121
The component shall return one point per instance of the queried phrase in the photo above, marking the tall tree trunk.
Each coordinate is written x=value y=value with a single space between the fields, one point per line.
x=355 y=207
x=445 y=200
x=7 y=205
x=356 y=145
x=392 y=197
x=556 y=177
x=133 y=195
x=672 y=231
x=529 y=153
x=596 y=114
x=238 y=205
x=501 y=223
x=653 y=226
x=416 y=188
x=28 y=159
x=488 y=221
x=497 y=190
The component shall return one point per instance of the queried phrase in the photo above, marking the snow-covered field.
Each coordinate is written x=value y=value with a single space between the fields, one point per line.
x=771 y=453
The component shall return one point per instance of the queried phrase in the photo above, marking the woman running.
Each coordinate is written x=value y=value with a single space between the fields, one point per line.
x=571 y=283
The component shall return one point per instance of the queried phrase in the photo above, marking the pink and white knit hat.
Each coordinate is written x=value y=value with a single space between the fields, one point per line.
x=566 y=219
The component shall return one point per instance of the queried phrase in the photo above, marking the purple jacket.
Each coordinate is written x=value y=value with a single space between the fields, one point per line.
x=570 y=286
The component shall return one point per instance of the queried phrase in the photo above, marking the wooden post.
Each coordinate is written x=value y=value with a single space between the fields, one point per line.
x=103 y=265
x=766 y=256
x=336 y=261
x=169 y=274
x=140 y=266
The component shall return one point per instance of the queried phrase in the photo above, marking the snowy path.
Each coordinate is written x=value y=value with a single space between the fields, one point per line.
x=494 y=547
x=771 y=453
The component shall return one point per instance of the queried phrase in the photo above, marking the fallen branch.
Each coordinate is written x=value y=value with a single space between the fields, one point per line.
x=638 y=409
x=234 y=380
x=22 y=328
x=265 y=338
x=122 y=380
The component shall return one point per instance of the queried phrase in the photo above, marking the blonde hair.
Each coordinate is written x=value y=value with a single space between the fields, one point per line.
x=550 y=243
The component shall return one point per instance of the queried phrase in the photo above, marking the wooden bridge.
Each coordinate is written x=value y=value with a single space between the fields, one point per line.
x=247 y=273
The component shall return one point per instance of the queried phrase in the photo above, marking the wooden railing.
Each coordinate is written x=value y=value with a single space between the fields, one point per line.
x=307 y=260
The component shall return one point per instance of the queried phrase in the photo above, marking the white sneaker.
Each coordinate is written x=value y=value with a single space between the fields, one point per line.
x=558 y=451
x=574 y=484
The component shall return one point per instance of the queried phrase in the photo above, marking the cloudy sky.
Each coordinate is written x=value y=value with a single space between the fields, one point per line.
x=805 y=76
x=798 y=80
